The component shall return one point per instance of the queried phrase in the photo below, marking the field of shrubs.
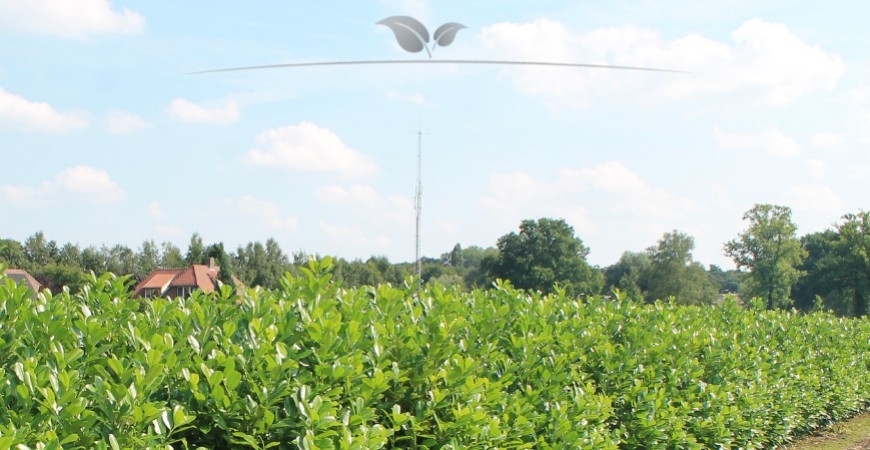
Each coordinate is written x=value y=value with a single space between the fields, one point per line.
x=312 y=365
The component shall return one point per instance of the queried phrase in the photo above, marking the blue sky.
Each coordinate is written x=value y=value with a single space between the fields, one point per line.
x=106 y=138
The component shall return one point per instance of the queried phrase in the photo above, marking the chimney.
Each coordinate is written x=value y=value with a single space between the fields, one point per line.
x=211 y=262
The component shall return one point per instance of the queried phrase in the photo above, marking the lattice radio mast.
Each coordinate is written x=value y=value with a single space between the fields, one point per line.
x=418 y=205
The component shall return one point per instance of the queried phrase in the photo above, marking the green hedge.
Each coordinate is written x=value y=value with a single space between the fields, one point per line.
x=315 y=366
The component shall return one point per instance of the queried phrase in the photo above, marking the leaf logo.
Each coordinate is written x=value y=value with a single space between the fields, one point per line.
x=413 y=36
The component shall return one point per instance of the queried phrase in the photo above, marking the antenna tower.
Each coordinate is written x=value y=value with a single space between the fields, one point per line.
x=418 y=205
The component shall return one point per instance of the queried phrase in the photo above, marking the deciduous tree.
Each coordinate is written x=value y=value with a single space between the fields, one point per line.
x=171 y=257
x=546 y=253
x=147 y=259
x=673 y=273
x=39 y=250
x=771 y=251
x=217 y=253
x=195 y=250
x=628 y=275
x=853 y=249
x=12 y=254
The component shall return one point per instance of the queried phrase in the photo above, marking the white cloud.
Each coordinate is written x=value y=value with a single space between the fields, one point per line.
x=18 y=113
x=263 y=212
x=90 y=183
x=859 y=172
x=354 y=236
x=861 y=94
x=78 y=182
x=155 y=211
x=158 y=215
x=309 y=148
x=186 y=111
x=361 y=218
x=763 y=59
x=769 y=140
x=18 y=194
x=826 y=140
x=600 y=202
x=812 y=202
x=369 y=206
x=864 y=127
x=68 y=19
x=123 y=122
x=616 y=188
x=817 y=168
x=630 y=193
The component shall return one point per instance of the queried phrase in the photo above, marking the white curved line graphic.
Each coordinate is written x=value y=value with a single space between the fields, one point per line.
x=436 y=61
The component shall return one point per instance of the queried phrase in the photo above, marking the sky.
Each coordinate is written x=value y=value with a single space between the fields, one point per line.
x=107 y=137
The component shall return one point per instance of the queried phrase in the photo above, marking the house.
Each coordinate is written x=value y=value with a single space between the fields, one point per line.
x=179 y=282
x=21 y=276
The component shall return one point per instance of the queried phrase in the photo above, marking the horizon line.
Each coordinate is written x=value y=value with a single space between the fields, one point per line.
x=436 y=61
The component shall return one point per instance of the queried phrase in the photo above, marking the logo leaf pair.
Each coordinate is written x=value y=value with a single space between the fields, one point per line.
x=413 y=36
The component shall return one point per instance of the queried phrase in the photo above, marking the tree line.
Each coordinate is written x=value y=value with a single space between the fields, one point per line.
x=828 y=269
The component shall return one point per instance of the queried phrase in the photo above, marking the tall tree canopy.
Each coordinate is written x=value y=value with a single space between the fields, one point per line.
x=824 y=277
x=673 y=273
x=838 y=267
x=771 y=251
x=543 y=254
x=195 y=250
x=220 y=257
x=664 y=270
x=629 y=275
x=262 y=265
x=171 y=257
x=854 y=251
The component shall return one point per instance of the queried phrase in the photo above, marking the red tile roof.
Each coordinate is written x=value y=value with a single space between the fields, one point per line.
x=205 y=277
x=185 y=278
x=160 y=278
x=197 y=276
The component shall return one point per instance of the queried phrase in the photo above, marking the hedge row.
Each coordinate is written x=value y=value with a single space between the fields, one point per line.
x=312 y=365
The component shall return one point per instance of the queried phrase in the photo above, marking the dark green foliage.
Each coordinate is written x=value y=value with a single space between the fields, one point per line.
x=171 y=256
x=40 y=251
x=314 y=366
x=216 y=254
x=821 y=280
x=356 y=273
x=93 y=260
x=12 y=254
x=55 y=277
x=853 y=248
x=545 y=254
x=147 y=259
x=628 y=275
x=838 y=267
x=470 y=264
x=728 y=281
x=771 y=251
x=663 y=271
x=375 y=270
x=70 y=255
x=261 y=265
x=196 y=251
x=673 y=273
x=120 y=259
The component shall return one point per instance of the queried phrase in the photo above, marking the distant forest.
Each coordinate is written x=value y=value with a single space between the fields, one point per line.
x=828 y=269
